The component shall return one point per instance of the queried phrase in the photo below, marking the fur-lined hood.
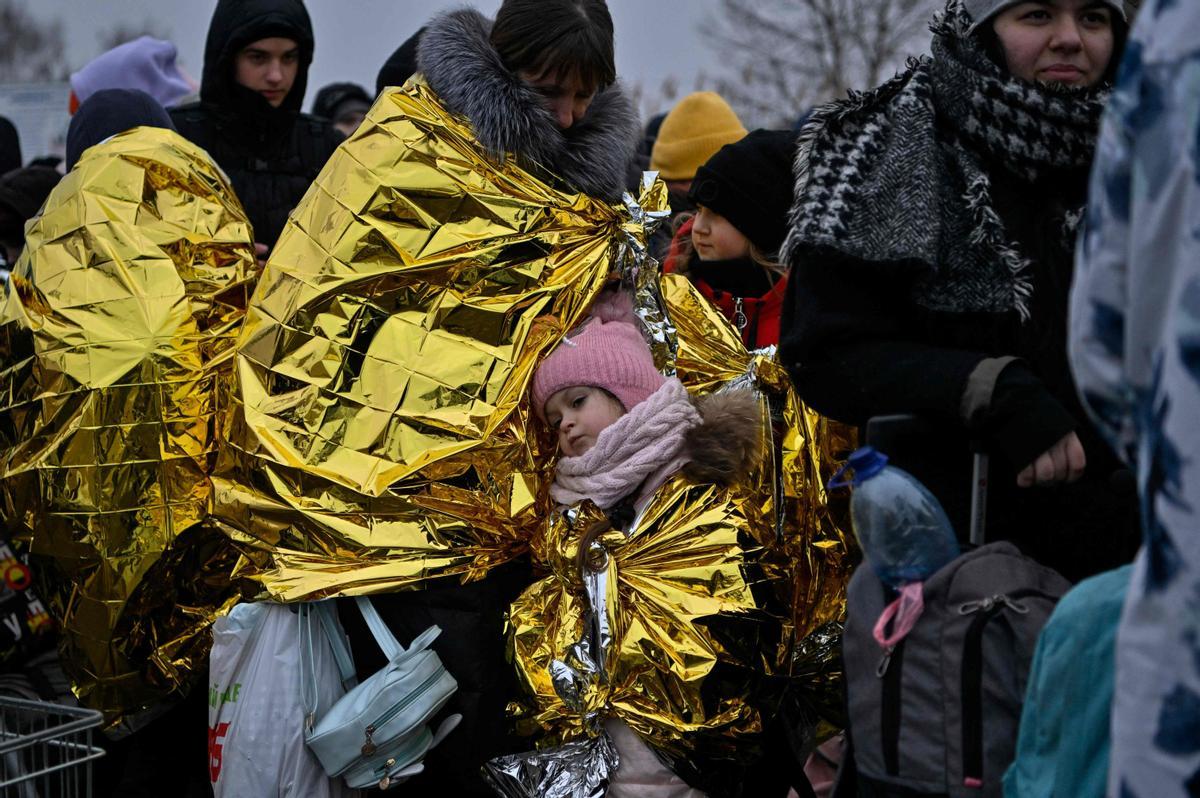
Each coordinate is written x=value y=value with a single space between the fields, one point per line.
x=725 y=445
x=459 y=63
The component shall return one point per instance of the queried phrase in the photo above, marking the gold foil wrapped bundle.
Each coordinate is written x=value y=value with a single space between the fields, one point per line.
x=808 y=548
x=380 y=434
x=711 y=587
x=804 y=530
x=118 y=323
x=643 y=601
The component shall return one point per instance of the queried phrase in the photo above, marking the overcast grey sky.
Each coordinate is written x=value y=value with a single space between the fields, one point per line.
x=655 y=38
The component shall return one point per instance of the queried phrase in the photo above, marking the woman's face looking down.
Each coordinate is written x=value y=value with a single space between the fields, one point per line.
x=1068 y=42
x=565 y=96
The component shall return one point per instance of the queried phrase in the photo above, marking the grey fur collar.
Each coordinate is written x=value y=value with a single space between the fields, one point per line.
x=459 y=63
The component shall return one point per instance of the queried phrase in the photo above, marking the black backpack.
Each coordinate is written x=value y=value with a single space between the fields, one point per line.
x=937 y=714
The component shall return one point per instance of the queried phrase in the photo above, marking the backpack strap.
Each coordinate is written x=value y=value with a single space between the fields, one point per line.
x=384 y=637
x=379 y=630
x=309 y=690
x=327 y=613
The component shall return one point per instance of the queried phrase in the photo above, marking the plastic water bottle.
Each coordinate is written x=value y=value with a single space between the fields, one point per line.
x=901 y=527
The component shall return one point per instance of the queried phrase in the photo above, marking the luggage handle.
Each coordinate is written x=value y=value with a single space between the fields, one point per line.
x=979 y=491
x=882 y=428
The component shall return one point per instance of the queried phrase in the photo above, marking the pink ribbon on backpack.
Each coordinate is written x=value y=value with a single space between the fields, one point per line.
x=904 y=611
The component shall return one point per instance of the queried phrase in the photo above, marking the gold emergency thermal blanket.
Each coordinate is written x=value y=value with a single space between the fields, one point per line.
x=380 y=434
x=118 y=322
x=711 y=588
x=804 y=530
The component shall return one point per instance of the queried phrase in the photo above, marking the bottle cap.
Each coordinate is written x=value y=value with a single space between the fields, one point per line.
x=865 y=463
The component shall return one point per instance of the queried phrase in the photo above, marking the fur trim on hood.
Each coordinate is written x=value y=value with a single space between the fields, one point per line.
x=727 y=443
x=459 y=63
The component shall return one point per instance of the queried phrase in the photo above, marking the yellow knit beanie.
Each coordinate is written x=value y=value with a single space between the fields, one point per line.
x=696 y=128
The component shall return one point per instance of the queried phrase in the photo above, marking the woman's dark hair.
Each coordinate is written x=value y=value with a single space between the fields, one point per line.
x=561 y=36
x=994 y=49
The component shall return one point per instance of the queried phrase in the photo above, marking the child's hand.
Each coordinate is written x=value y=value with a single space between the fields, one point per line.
x=1062 y=462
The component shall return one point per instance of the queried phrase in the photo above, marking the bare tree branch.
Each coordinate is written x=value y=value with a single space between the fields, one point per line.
x=30 y=50
x=126 y=32
x=784 y=56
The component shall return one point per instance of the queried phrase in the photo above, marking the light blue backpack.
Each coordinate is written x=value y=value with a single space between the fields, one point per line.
x=378 y=733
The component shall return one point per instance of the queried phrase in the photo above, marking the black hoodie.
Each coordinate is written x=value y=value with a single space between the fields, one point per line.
x=271 y=154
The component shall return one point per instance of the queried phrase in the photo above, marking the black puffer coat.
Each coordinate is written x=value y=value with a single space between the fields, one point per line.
x=271 y=154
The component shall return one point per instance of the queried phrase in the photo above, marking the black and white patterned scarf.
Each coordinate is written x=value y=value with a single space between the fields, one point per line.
x=898 y=174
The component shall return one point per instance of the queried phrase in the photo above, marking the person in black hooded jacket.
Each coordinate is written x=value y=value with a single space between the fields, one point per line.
x=22 y=192
x=256 y=63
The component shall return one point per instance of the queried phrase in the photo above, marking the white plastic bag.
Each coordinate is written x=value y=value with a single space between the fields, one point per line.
x=255 y=718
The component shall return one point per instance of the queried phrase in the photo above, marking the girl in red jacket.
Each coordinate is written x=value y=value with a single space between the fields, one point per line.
x=728 y=248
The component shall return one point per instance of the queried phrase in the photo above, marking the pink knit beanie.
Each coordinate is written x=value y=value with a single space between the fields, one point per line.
x=608 y=351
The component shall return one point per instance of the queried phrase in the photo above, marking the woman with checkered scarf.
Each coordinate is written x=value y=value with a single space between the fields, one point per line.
x=931 y=248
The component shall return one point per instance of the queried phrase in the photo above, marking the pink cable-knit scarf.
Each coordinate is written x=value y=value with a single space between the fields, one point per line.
x=643 y=441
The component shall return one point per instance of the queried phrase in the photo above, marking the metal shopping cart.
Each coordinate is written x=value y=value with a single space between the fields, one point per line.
x=46 y=749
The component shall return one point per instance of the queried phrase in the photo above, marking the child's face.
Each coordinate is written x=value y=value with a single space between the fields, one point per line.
x=578 y=415
x=715 y=238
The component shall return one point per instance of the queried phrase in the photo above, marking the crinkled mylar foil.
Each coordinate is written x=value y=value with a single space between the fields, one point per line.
x=379 y=434
x=117 y=325
x=804 y=529
x=580 y=769
x=652 y=594
x=711 y=588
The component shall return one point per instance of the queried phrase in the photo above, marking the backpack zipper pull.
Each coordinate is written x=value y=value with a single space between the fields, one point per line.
x=369 y=746
x=983 y=604
x=885 y=662
x=1012 y=605
x=386 y=781
x=986 y=605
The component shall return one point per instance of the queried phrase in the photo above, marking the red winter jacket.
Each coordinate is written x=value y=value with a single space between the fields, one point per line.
x=762 y=313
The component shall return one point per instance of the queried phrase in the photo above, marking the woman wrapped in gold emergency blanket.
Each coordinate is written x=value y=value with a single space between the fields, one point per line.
x=382 y=438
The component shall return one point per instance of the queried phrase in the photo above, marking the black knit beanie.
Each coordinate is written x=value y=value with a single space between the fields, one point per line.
x=109 y=112
x=749 y=182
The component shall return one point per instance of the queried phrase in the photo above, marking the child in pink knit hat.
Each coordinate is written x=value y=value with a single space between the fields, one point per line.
x=623 y=430
x=621 y=425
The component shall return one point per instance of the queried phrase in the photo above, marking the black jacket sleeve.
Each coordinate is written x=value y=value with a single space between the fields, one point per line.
x=850 y=342
x=1024 y=419
x=849 y=346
